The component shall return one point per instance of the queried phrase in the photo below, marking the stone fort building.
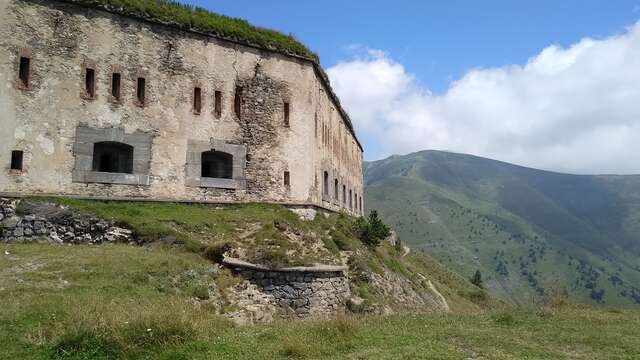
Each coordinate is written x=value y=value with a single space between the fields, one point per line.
x=98 y=102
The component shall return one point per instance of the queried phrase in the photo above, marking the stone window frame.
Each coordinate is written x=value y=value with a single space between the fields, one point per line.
x=116 y=69
x=193 y=165
x=19 y=84
x=83 y=149
x=137 y=75
x=89 y=64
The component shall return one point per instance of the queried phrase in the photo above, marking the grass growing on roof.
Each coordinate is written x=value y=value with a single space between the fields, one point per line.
x=194 y=17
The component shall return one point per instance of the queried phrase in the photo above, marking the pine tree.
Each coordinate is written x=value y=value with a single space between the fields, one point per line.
x=476 y=279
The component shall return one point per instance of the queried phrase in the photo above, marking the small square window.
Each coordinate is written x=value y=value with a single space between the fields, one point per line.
x=115 y=86
x=218 y=104
x=16 y=160
x=287 y=179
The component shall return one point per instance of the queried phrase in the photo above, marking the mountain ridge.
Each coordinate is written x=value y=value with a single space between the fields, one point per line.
x=569 y=231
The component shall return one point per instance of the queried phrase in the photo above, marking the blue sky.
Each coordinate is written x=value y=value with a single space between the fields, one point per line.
x=434 y=43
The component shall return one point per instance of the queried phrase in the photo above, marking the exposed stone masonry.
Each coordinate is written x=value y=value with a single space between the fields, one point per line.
x=289 y=292
x=24 y=221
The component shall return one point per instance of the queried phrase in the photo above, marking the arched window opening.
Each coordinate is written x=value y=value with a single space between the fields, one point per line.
x=112 y=157
x=344 y=194
x=325 y=183
x=336 y=189
x=217 y=164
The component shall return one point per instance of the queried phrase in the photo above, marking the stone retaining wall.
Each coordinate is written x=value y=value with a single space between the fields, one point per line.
x=303 y=292
x=48 y=222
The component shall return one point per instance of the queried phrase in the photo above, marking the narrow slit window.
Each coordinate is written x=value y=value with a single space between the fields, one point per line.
x=197 y=100
x=336 y=190
x=237 y=102
x=23 y=72
x=218 y=103
x=90 y=82
x=286 y=114
x=16 y=160
x=115 y=86
x=141 y=90
x=325 y=183
x=287 y=179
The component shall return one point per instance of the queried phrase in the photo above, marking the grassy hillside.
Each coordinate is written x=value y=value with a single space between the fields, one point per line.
x=168 y=299
x=530 y=232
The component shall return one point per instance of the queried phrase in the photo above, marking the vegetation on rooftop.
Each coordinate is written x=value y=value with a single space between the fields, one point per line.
x=198 y=18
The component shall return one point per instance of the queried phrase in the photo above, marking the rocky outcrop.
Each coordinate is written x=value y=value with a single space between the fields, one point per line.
x=34 y=221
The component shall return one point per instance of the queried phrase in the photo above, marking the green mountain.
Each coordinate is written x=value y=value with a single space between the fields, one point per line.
x=531 y=233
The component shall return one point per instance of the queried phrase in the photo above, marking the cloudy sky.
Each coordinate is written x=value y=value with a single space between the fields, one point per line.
x=548 y=84
x=574 y=108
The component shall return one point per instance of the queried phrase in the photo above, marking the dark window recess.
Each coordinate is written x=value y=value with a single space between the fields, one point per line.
x=217 y=164
x=90 y=82
x=336 y=189
x=286 y=114
x=287 y=179
x=197 y=100
x=344 y=194
x=113 y=157
x=115 y=86
x=237 y=102
x=217 y=103
x=16 y=160
x=23 y=72
x=325 y=183
x=141 y=91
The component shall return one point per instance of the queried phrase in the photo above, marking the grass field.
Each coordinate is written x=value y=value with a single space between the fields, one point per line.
x=128 y=302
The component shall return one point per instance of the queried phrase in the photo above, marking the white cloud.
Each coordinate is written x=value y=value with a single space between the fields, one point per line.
x=573 y=109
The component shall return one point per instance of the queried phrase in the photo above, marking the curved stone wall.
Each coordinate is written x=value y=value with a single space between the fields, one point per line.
x=299 y=292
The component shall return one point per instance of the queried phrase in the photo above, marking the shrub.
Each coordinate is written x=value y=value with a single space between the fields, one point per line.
x=372 y=231
x=476 y=279
x=216 y=252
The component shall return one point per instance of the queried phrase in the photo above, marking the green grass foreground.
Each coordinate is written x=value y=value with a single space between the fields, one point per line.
x=127 y=302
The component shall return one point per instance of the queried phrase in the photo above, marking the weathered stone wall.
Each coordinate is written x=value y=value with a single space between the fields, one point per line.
x=44 y=222
x=269 y=293
x=62 y=40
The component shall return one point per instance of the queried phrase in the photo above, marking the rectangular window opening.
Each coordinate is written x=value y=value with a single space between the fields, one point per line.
x=115 y=86
x=287 y=179
x=16 y=160
x=90 y=82
x=197 y=100
x=286 y=114
x=23 y=72
x=141 y=90
x=237 y=102
x=218 y=103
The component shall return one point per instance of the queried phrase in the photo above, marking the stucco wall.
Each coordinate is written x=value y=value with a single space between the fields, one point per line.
x=63 y=39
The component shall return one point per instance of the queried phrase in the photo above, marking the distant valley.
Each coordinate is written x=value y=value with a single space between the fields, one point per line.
x=531 y=233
